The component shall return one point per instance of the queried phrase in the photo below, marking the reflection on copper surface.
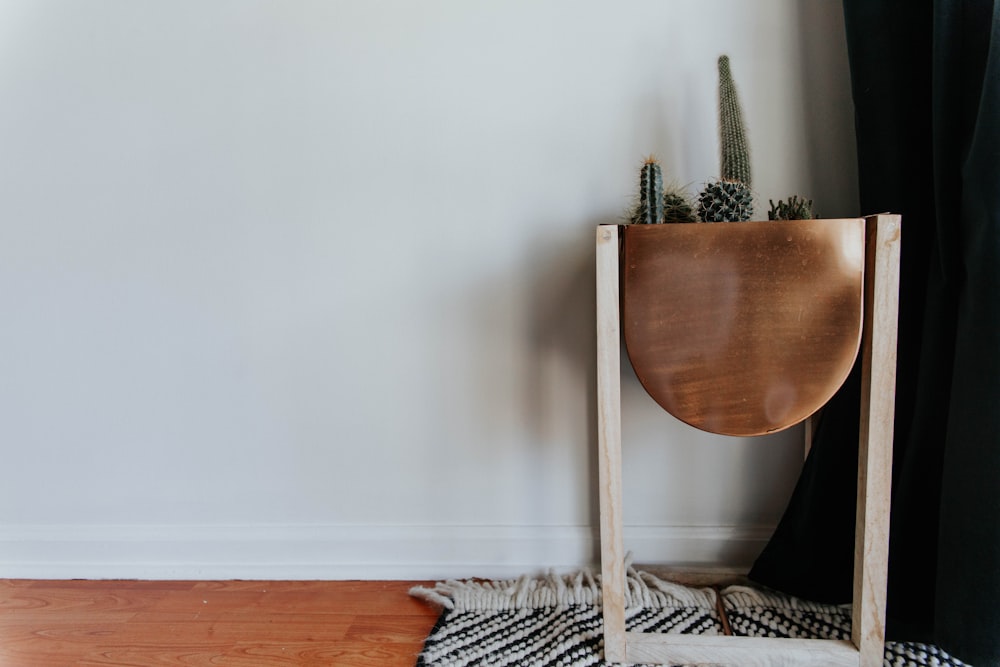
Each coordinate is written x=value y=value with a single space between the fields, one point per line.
x=743 y=328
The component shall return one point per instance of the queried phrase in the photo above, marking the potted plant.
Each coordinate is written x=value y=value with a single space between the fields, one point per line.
x=710 y=311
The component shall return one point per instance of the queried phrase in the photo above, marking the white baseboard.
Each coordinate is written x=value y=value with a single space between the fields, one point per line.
x=331 y=552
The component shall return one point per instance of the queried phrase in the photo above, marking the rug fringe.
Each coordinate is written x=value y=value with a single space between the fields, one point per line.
x=642 y=589
x=741 y=597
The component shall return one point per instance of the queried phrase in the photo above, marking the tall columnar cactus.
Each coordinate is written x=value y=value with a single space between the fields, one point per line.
x=730 y=199
x=650 y=208
x=733 y=147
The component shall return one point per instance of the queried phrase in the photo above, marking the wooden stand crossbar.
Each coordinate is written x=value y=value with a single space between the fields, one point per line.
x=866 y=647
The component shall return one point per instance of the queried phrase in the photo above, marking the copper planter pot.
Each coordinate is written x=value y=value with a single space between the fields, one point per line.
x=743 y=328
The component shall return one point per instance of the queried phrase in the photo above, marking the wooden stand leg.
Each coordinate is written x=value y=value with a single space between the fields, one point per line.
x=609 y=443
x=878 y=385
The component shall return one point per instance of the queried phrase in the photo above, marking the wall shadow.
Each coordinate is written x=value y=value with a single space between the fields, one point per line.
x=563 y=332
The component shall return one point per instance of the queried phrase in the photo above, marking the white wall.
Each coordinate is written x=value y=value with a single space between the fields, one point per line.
x=305 y=289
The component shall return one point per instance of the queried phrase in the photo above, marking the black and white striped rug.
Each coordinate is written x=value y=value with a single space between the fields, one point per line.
x=555 y=621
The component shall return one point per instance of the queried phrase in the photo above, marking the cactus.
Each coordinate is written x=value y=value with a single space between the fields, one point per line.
x=730 y=198
x=733 y=148
x=650 y=207
x=677 y=207
x=725 y=201
x=793 y=209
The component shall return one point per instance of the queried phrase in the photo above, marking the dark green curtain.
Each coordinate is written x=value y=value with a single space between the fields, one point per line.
x=925 y=76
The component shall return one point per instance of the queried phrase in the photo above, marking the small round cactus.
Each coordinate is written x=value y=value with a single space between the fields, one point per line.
x=725 y=201
x=677 y=207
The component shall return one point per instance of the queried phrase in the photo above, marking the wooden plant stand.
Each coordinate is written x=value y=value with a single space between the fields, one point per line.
x=746 y=329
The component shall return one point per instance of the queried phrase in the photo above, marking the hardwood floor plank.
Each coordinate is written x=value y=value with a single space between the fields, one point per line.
x=261 y=614
x=187 y=655
x=21 y=600
x=384 y=629
x=350 y=653
x=298 y=654
x=109 y=584
x=212 y=601
x=14 y=625
x=47 y=659
x=237 y=623
x=328 y=628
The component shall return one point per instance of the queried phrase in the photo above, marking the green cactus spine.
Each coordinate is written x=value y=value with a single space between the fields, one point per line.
x=725 y=201
x=793 y=209
x=734 y=149
x=649 y=211
x=677 y=207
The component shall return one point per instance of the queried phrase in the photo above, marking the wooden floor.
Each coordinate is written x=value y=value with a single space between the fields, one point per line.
x=240 y=623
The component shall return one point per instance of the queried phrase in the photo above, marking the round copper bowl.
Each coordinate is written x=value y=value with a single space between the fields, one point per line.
x=743 y=328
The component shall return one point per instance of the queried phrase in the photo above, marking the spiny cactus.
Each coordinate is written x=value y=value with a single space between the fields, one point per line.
x=725 y=201
x=650 y=207
x=793 y=209
x=733 y=148
x=677 y=207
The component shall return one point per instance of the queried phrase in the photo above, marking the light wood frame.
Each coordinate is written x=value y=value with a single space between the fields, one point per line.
x=878 y=349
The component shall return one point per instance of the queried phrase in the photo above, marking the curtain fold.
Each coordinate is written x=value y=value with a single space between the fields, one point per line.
x=925 y=79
